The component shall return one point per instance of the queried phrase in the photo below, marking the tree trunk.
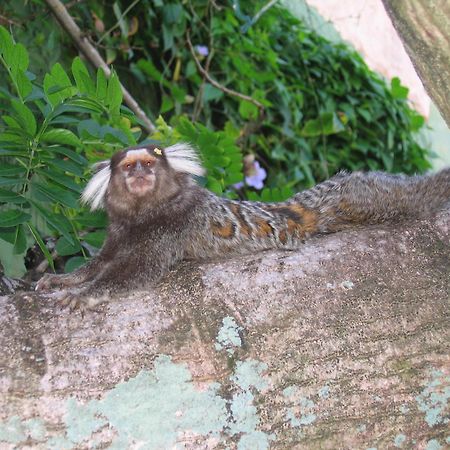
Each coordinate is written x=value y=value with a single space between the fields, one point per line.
x=424 y=28
x=341 y=345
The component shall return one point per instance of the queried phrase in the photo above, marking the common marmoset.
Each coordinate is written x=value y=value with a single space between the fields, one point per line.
x=158 y=216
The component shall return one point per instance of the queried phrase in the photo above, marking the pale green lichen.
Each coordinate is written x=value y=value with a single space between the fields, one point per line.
x=228 y=336
x=154 y=410
x=154 y=407
x=302 y=413
x=399 y=440
x=248 y=377
x=361 y=428
x=12 y=431
x=324 y=392
x=249 y=374
x=404 y=409
x=256 y=440
x=433 y=445
x=433 y=400
x=15 y=431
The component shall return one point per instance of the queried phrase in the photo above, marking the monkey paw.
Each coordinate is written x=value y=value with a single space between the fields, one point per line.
x=51 y=281
x=77 y=299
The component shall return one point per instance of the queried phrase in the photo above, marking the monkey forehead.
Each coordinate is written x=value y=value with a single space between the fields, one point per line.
x=139 y=153
x=132 y=156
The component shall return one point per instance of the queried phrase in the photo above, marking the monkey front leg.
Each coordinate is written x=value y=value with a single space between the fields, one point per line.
x=120 y=275
x=59 y=281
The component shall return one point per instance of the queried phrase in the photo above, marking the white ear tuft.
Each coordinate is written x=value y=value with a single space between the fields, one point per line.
x=94 y=192
x=183 y=158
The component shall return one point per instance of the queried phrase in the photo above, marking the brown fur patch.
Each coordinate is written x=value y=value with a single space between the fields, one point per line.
x=244 y=227
x=282 y=236
x=300 y=220
x=132 y=159
x=225 y=231
x=308 y=217
x=263 y=228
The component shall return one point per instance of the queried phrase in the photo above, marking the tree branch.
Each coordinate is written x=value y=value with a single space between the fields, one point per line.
x=94 y=57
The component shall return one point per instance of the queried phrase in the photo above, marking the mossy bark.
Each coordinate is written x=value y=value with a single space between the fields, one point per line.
x=344 y=344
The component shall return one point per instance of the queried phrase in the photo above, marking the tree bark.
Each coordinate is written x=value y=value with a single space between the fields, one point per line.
x=424 y=28
x=343 y=344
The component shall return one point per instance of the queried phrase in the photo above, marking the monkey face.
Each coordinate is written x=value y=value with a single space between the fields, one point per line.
x=138 y=169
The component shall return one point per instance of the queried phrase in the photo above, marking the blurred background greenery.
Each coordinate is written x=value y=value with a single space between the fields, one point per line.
x=273 y=107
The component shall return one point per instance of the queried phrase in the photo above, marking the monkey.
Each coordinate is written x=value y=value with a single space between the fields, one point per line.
x=159 y=215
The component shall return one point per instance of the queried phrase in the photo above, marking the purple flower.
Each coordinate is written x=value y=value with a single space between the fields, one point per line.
x=254 y=174
x=202 y=50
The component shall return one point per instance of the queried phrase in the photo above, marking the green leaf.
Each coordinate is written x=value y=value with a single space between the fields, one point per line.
x=11 y=122
x=60 y=136
x=10 y=139
x=102 y=84
x=57 y=85
x=73 y=263
x=10 y=181
x=25 y=117
x=398 y=91
x=13 y=264
x=56 y=194
x=19 y=61
x=114 y=93
x=89 y=104
x=12 y=217
x=96 y=219
x=23 y=84
x=41 y=245
x=65 y=248
x=6 y=45
x=7 y=196
x=20 y=240
x=70 y=154
x=172 y=13
x=326 y=124
x=7 y=170
x=211 y=93
x=214 y=186
x=82 y=78
x=55 y=221
x=247 y=110
x=66 y=166
x=64 y=180
x=95 y=238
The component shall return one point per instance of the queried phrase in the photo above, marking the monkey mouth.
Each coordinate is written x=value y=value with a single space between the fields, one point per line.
x=140 y=185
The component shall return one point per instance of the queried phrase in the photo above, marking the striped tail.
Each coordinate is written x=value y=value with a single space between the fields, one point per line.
x=350 y=199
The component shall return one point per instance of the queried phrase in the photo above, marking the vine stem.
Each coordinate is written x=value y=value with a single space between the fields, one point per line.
x=94 y=57
x=215 y=83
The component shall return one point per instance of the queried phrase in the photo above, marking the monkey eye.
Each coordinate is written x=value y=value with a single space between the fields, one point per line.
x=128 y=166
x=148 y=163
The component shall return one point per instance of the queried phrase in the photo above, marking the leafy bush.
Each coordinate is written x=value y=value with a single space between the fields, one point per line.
x=49 y=131
x=324 y=109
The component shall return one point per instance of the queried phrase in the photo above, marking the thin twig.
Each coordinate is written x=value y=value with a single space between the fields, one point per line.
x=218 y=85
x=118 y=21
x=262 y=11
x=94 y=57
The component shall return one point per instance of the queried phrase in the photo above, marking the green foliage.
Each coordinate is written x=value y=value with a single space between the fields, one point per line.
x=50 y=131
x=324 y=109
x=46 y=132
